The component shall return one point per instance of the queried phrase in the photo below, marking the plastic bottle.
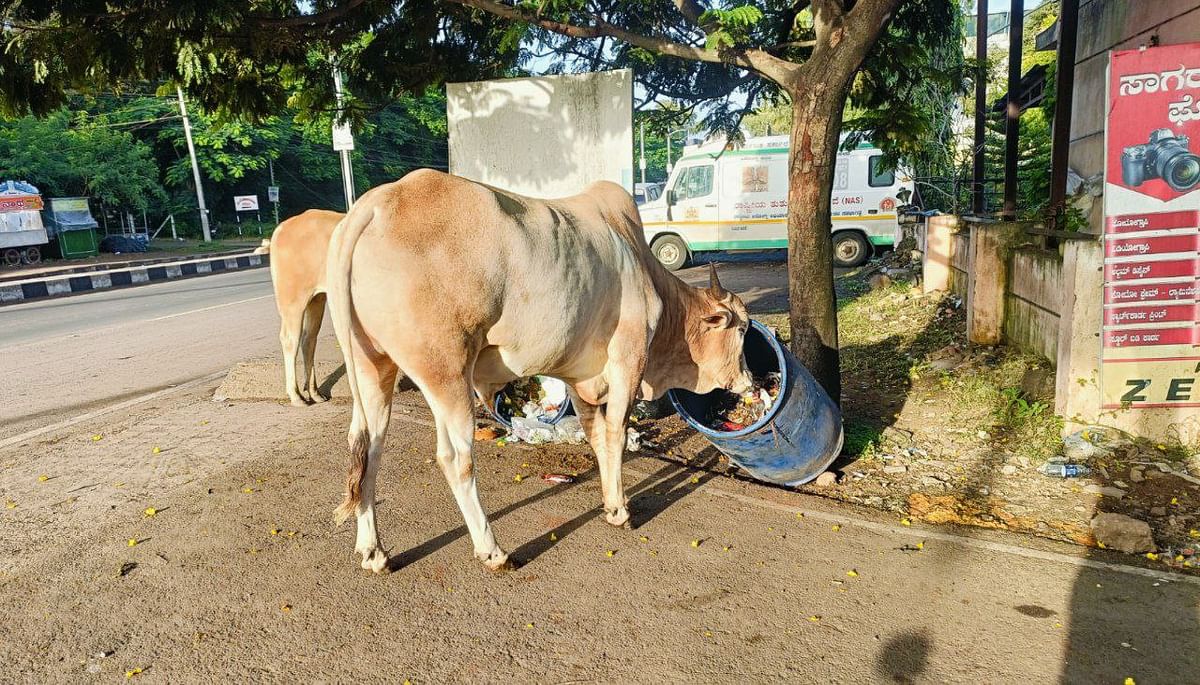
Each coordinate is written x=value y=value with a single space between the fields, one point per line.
x=1061 y=470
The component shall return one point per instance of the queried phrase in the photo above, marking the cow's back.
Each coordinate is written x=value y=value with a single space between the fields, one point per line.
x=298 y=249
x=540 y=285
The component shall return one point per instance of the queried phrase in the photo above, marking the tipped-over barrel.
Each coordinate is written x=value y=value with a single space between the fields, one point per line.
x=797 y=438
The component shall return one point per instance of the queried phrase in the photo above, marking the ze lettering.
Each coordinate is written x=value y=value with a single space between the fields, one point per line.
x=1180 y=389
x=1137 y=385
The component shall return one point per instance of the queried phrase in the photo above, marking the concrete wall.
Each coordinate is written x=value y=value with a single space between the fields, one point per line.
x=1018 y=297
x=1033 y=301
x=544 y=137
x=960 y=268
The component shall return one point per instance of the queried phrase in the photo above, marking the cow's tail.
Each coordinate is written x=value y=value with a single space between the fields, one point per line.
x=337 y=280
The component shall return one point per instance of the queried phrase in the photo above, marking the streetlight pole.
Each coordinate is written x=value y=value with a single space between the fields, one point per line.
x=343 y=146
x=187 y=134
x=642 y=161
x=669 y=134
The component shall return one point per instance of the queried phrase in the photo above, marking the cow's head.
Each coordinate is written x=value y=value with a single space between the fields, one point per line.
x=715 y=338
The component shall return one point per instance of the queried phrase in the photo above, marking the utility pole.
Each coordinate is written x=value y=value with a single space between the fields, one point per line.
x=1068 y=21
x=343 y=142
x=274 y=188
x=977 y=171
x=187 y=134
x=642 y=162
x=1012 y=128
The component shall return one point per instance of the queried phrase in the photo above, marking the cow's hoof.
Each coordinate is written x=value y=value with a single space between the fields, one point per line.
x=496 y=561
x=375 y=561
x=298 y=401
x=617 y=517
x=317 y=398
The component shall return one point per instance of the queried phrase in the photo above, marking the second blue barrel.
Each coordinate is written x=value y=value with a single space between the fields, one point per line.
x=795 y=440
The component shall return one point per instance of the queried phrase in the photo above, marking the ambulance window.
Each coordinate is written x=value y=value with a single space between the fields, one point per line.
x=696 y=181
x=877 y=175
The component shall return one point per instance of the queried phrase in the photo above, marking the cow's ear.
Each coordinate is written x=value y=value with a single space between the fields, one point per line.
x=720 y=317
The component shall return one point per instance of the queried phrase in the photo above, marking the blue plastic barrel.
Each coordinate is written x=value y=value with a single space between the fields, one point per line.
x=796 y=440
x=499 y=412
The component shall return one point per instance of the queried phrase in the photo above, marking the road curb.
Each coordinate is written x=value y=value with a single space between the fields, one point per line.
x=60 y=285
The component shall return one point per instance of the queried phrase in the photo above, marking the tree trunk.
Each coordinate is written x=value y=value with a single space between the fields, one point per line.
x=816 y=127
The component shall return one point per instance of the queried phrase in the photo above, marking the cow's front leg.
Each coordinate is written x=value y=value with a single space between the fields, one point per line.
x=595 y=426
x=615 y=425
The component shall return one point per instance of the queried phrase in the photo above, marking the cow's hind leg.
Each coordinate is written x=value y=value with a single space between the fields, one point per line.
x=376 y=376
x=290 y=330
x=313 y=313
x=451 y=400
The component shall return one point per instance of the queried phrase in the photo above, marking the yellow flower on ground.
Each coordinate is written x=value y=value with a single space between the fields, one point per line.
x=149 y=511
x=132 y=542
x=274 y=531
x=695 y=543
x=905 y=522
x=610 y=552
x=517 y=478
x=97 y=438
x=247 y=490
x=43 y=478
x=9 y=504
x=814 y=619
x=1151 y=556
x=852 y=573
x=553 y=537
x=1130 y=681
x=132 y=672
x=836 y=527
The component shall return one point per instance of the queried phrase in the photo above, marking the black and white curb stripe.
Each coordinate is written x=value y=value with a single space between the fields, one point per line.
x=52 y=285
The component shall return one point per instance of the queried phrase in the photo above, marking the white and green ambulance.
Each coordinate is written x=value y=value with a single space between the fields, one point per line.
x=737 y=200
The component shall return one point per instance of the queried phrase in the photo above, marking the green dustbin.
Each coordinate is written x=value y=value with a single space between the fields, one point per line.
x=77 y=244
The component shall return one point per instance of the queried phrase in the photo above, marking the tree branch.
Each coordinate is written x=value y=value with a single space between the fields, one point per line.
x=753 y=59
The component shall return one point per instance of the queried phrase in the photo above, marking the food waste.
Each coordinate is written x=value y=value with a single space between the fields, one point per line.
x=733 y=412
x=530 y=398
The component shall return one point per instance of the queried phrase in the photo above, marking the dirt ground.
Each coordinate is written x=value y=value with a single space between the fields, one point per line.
x=214 y=556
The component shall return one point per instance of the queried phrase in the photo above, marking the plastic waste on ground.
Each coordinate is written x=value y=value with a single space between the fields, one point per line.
x=567 y=431
x=1058 y=469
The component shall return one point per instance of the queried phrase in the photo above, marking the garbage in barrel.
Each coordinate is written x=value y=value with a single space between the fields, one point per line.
x=794 y=440
x=539 y=398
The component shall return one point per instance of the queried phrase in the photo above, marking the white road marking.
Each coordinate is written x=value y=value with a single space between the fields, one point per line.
x=16 y=439
x=209 y=308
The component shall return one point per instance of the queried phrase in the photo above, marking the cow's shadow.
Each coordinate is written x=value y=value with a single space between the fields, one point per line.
x=650 y=497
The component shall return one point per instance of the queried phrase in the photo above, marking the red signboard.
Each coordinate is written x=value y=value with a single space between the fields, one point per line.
x=1132 y=223
x=1141 y=247
x=1138 y=337
x=1132 y=271
x=1151 y=292
x=1152 y=225
x=1156 y=313
x=20 y=203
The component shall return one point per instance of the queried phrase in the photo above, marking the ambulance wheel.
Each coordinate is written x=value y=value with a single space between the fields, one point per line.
x=850 y=249
x=32 y=255
x=12 y=256
x=671 y=251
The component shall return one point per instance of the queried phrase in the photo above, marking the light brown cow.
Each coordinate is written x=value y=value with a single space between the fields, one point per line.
x=464 y=288
x=298 y=249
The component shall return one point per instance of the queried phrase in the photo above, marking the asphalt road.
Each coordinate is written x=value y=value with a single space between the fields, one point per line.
x=66 y=355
